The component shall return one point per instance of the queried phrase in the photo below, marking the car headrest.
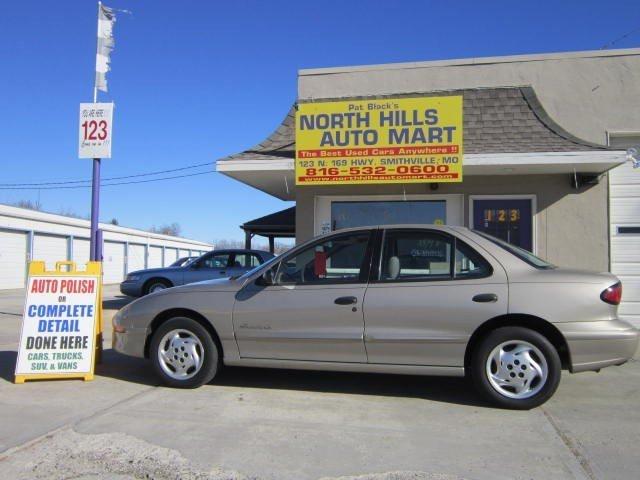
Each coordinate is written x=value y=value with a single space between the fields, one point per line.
x=393 y=268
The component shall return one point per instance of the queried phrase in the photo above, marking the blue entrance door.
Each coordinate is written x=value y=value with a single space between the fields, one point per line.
x=507 y=219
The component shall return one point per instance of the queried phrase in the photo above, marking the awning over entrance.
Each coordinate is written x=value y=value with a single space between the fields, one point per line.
x=506 y=132
x=280 y=224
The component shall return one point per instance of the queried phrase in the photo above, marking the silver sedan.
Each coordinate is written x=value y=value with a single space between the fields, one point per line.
x=406 y=299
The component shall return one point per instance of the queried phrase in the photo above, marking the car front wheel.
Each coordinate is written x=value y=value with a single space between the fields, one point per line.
x=183 y=353
x=516 y=367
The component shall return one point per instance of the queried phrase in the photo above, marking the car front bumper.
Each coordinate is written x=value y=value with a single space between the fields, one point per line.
x=130 y=342
x=595 y=345
x=131 y=288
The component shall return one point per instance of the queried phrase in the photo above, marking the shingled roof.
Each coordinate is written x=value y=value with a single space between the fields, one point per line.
x=495 y=120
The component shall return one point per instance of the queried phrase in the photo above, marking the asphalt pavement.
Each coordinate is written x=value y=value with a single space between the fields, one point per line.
x=271 y=424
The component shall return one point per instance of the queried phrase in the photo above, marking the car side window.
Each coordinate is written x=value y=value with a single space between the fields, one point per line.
x=338 y=259
x=246 y=260
x=415 y=255
x=220 y=260
x=469 y=263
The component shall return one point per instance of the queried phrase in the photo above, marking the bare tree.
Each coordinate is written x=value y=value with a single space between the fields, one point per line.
x=29 y=204
x=167 y=229
x=224 y=243
x=114 y=221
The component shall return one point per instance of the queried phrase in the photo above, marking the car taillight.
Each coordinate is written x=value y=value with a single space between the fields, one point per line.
x=613 y=294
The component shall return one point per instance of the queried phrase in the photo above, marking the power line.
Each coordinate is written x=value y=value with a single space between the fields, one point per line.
x=612 y=43
x=106 y=184
x=70 y=182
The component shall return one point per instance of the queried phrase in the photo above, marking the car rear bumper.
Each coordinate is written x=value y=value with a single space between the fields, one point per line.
x=595 y=345
x=130 y=342
x=131 y=289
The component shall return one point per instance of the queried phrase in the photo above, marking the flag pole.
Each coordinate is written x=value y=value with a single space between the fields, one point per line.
x=95 y=249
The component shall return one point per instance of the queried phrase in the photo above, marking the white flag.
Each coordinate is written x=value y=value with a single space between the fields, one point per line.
x=106 y=19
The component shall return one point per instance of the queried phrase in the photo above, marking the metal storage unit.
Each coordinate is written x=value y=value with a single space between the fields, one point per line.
x=170 y=256
x=81 y=251
x=50 y=249
x=136 y=257
x=113 y=262
x=624 y=205
x=13 y=259
x=183 y=253
x=155 y=257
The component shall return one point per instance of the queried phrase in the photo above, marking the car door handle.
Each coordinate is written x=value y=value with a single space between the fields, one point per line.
x=485 y=298
x=345 y=300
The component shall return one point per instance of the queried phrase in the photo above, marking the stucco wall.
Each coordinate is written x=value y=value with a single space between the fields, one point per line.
x=588 y=94
x=571 y=225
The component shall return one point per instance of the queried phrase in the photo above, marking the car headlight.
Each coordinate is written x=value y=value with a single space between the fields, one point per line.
x=133 y=278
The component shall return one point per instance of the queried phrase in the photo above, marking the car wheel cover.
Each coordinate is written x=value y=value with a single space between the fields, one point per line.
x=180 y=354
x=517 y=369
x=156 y=287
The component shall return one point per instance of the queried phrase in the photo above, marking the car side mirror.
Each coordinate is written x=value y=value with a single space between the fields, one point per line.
x=267 y=278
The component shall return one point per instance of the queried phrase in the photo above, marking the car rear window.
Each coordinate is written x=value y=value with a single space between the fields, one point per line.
x=521 y=253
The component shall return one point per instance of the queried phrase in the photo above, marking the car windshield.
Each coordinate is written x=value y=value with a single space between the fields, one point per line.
x=521 y=253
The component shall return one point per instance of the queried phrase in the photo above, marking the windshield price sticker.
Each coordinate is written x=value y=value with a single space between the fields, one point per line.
x=59 y=326
x=96 y=125
x=400 y=140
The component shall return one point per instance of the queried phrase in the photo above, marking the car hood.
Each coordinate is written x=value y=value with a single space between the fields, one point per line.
x=217 y=285
x=153 y=271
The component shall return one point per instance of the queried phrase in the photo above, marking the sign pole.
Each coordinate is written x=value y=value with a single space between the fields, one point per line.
x=94 y=248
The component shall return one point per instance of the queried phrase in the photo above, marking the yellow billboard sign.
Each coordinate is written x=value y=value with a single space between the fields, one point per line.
x=399 y=140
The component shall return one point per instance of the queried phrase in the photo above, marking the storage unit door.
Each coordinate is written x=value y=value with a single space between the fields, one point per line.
x=170 y=256
x=624 y=198
x=183 y=253
x=113 y=262
x=135 y=259
x=81 y=251
x=50 y=249
x=13 y=259
x=155 y=257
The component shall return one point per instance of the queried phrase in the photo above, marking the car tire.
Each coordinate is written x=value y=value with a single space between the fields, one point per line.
x=183 y=353
x=516 y=368
x=155 y=284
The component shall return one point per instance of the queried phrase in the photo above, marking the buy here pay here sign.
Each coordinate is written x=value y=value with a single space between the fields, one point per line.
x=398 y=140
x=59 y=326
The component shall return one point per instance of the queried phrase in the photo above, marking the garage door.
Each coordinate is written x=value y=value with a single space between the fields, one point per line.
x=50 y=249
x=81 y=251
x=170 y=256
x=624 y=187
x=13 y=259
x=113 y=262
x=136 y=260
x=155 y=257
x=183 y=253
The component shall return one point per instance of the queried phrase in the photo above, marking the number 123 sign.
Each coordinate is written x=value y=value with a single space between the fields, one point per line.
x=96 y=125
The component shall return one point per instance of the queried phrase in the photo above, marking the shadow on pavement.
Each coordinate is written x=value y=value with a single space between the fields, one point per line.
x=8 y=364
x=116 y=303
x=441 y=389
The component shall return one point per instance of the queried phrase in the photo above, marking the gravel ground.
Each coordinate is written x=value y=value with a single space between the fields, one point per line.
x=67 y=455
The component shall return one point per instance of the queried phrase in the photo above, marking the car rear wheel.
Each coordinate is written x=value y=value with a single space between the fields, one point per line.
x=155 y=285
x=516 y=367
x=183 y=353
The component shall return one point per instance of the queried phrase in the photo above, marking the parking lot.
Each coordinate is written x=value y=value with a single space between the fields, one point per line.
x=269 y=424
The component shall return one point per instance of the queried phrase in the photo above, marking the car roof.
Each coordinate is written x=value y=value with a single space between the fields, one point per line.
x=240 y=250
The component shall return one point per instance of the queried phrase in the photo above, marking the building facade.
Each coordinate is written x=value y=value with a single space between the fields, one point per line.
x=27 y=235
x=542 y=134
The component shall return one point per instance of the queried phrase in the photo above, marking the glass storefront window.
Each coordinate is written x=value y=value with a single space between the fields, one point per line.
x=370 y=213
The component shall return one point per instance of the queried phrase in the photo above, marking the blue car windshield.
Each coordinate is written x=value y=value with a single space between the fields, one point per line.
x=521 y=253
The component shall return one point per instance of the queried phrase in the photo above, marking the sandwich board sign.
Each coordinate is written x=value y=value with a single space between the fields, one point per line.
x=61 y=326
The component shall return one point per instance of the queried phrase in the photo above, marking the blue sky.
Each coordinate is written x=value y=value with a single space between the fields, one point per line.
x=194 y=81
